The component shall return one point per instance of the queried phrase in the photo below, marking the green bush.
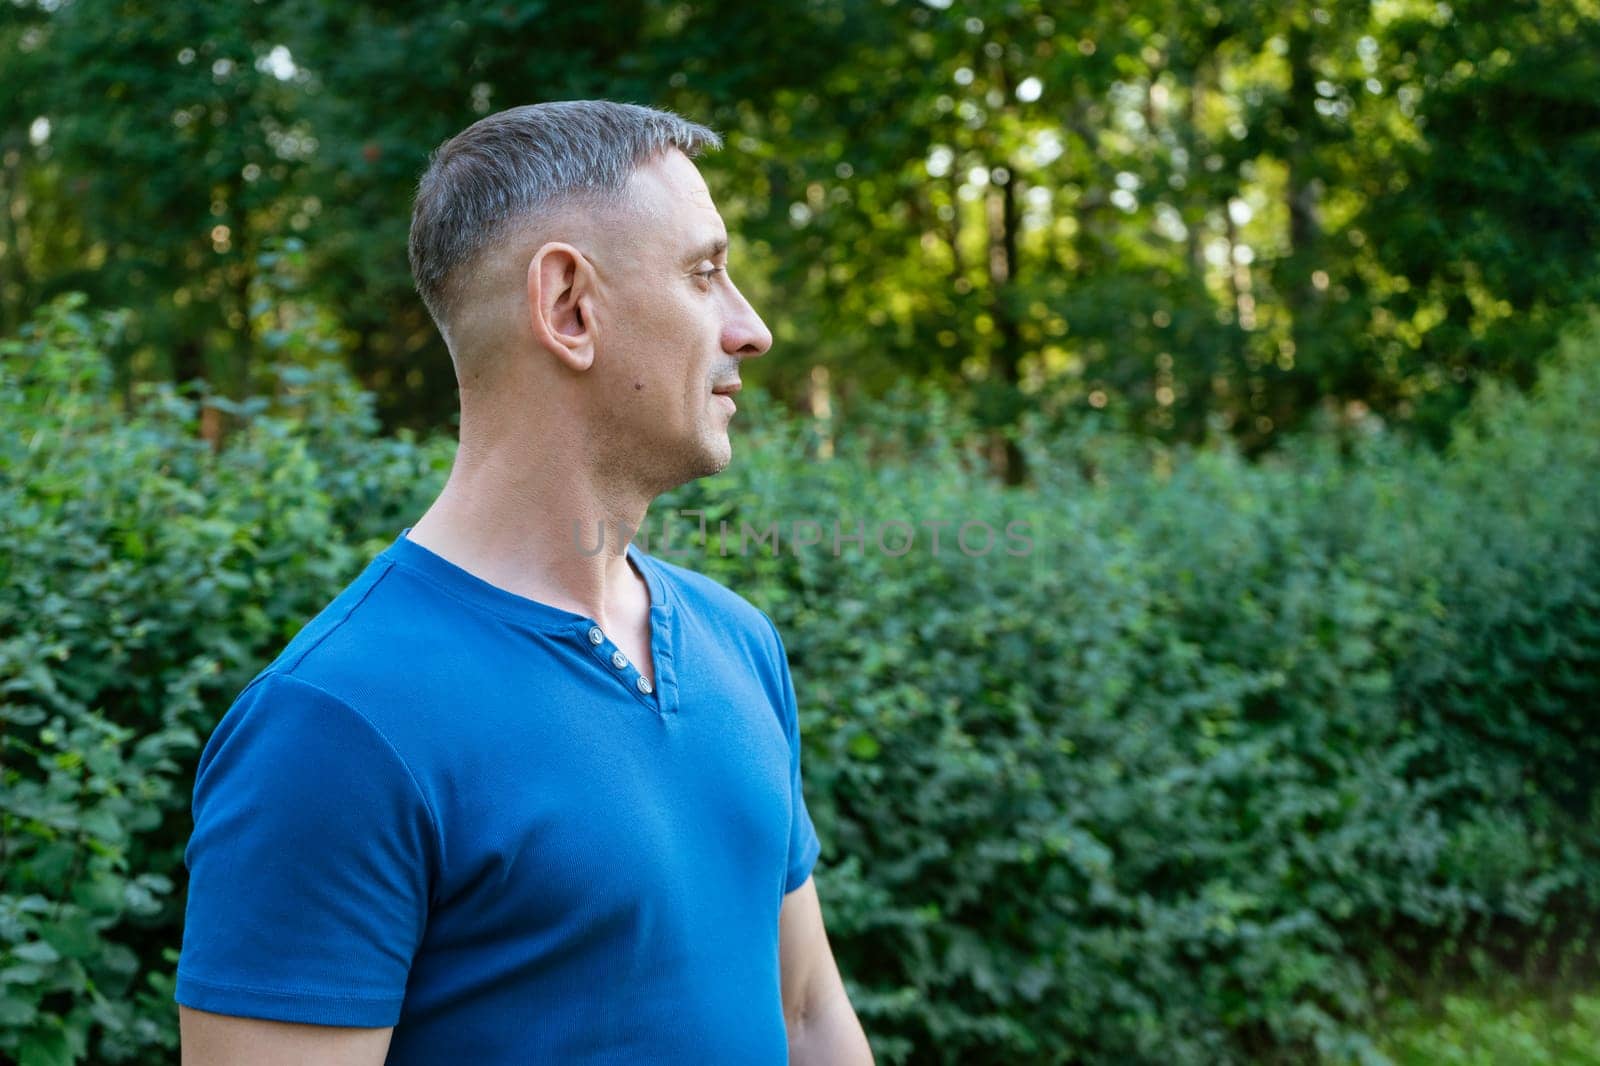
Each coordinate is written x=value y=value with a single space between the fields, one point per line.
x=146 y=579
x=1229 y=757
x=1235 y=750
x=1487 y=1029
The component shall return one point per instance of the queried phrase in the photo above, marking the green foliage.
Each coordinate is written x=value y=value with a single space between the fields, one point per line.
x=1208 y=775
x=1489 y=1029
x=144 y=580
x=1236 y=745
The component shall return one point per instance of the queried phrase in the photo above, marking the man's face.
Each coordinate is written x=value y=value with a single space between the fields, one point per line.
x=672 y=327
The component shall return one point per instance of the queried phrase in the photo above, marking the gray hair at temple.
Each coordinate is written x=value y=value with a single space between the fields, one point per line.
x=505 y=169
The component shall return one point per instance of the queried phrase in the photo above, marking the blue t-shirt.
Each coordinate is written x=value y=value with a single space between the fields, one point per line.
x=455 y=810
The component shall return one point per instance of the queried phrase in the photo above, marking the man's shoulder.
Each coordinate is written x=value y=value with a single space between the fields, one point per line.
x=359 y=628
x=383 y=652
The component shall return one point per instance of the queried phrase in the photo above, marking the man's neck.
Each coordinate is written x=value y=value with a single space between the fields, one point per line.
x=546 y=532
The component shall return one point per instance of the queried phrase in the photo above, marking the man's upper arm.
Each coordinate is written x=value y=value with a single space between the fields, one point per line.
x=223 y=1040
x=823 y=1027
x=309 y=865
x=809 y=974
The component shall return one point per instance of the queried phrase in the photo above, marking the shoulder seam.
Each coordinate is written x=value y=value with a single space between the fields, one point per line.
x=388 y=568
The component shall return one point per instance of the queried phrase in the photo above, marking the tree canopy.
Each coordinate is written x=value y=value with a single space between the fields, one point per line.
x=1226 y=217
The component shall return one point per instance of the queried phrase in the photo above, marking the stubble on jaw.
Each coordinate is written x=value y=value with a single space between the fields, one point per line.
x=628 y=446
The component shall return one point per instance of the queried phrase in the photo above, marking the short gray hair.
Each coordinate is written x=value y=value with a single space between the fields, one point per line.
x=503 y=168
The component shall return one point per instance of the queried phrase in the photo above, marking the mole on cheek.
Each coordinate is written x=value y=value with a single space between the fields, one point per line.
x=637 y=385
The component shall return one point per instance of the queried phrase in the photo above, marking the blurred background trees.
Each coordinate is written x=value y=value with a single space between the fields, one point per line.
x=1229 y=217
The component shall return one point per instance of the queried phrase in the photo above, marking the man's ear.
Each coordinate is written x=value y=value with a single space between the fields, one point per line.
x=561 y=301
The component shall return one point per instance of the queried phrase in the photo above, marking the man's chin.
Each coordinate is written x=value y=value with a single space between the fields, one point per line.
x=715 y=459
x=707 y=457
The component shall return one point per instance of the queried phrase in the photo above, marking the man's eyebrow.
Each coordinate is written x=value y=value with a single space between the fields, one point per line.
x=709 y=250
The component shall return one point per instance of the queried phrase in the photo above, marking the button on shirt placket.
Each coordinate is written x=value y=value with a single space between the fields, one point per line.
x=619 y=661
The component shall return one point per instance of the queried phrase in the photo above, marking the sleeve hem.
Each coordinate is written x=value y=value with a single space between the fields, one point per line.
x=314 y=1008
x=801 y=869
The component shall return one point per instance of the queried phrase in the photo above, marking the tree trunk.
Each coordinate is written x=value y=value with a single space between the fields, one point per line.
x=1005 y=358
x=1300 y=295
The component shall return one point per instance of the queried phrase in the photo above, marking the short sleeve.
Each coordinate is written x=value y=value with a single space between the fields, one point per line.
x=804 y=847
x=309 y=865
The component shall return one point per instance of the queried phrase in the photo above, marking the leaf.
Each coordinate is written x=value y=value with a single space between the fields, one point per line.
x=44 y=1049
x=15 y=1011
x=36 y=951
x=26 y=973
x=864 y=746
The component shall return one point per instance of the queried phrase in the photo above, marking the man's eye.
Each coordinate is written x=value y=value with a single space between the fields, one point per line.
x=708 y=274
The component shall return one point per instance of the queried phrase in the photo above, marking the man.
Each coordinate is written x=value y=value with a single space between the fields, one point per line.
x=508 y=800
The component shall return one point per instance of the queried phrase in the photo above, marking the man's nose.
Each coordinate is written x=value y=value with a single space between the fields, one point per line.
x=744 y=334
